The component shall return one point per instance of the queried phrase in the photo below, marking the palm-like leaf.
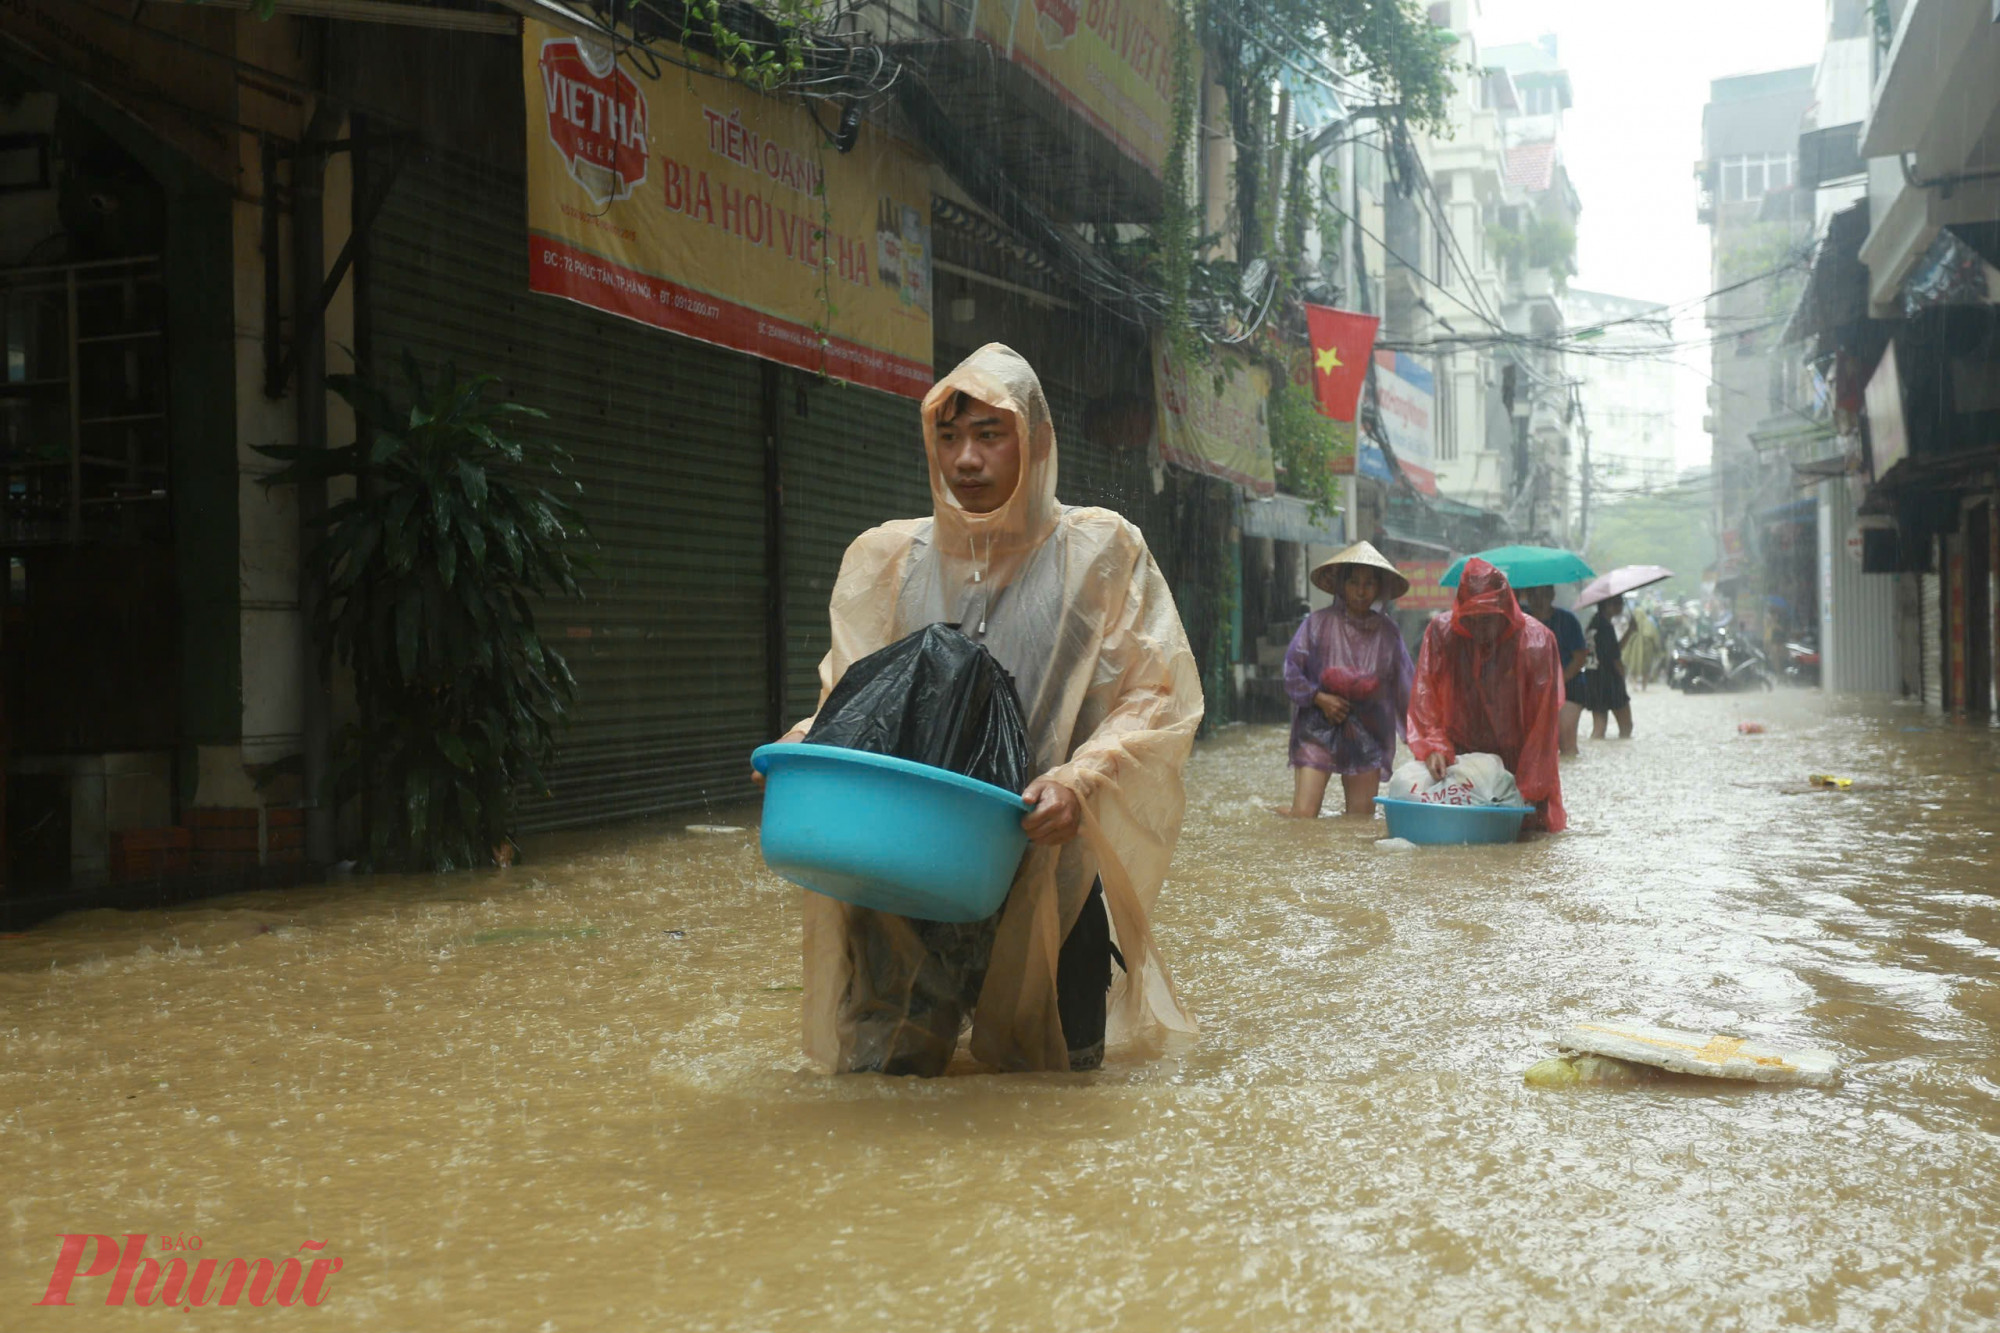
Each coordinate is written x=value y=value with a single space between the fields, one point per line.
x=431 y=571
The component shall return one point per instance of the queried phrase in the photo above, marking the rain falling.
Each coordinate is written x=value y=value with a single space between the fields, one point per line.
x=1145 y=665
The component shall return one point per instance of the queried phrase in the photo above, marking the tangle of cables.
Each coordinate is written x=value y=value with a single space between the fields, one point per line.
x=806 y=54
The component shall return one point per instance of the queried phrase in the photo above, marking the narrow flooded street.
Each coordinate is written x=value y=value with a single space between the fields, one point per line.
x=568 y=1096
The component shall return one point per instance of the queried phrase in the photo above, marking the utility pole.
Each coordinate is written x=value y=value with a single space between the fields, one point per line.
x=1583 y=505
x=1350 y=288
x=1280 y=162
x=1352 y=260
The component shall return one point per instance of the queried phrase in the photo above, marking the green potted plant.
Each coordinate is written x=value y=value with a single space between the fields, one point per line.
x=432 y=568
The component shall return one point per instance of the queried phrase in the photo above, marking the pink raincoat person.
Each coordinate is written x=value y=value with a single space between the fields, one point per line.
x=1489 y=681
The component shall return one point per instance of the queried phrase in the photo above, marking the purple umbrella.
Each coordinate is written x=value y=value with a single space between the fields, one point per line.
x=1620 y=581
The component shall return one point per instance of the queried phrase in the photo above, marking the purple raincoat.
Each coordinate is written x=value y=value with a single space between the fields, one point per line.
x=1371 y=645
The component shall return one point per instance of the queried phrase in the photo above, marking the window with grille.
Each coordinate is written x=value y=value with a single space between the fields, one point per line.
x=83 y=410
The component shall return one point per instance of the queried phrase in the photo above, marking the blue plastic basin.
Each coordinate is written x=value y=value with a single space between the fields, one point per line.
x=887 y=833
x=1423 y=822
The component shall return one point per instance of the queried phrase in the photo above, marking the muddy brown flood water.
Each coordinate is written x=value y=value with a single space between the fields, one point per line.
x=568 y=1096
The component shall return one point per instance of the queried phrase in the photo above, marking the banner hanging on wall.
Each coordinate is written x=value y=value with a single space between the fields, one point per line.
x=1406 y=399
x=695 y=204
x=1213 y=418
x=1109 y=61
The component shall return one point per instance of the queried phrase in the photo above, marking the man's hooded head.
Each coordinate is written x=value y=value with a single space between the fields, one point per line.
x=978 y=452
x=992 y=452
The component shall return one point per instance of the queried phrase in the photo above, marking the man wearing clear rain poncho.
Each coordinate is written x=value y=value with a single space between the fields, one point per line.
x=1070 y=602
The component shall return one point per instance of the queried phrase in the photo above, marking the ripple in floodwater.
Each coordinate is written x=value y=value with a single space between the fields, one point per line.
x=569 y=1096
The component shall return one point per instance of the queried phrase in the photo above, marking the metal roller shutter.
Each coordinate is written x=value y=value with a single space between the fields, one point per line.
x=1100 y=474
x=668 y=645
x=854 y=459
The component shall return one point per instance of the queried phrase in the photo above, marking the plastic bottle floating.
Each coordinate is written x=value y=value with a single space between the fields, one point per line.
x=1749 y=728
x=1828 y=782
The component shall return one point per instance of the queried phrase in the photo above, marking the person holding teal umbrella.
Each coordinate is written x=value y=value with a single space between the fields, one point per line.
x=1533 y=571
x=1488 y=682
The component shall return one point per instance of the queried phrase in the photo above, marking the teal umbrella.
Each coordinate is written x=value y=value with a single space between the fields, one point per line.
x=1527 y=566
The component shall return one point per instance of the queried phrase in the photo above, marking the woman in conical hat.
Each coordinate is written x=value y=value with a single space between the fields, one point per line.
x=1348 y=674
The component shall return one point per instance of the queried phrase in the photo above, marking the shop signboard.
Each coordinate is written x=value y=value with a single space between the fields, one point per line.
x=1731 y=564
x=693 y=203
x=1342 y=457
x=1371 y=462
x=1427 y=591
x=1888 y=435
x=1110 y=62
x=1212 y=417
x=1406 y=401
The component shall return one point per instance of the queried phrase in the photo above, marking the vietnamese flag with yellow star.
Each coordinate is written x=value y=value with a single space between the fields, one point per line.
x=1342 y=342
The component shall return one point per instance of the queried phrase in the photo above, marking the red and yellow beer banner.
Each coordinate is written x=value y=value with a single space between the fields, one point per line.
x=695 y=204
x=1109 y=61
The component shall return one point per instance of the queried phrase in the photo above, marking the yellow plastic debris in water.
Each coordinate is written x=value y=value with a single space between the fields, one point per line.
x=1829 y=781
x=1569 y=1071
x=1555 y=1073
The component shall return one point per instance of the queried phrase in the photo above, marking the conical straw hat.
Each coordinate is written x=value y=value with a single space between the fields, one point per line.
x=1394 y=585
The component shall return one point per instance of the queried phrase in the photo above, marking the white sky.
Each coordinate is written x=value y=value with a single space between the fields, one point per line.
x=1640 y=75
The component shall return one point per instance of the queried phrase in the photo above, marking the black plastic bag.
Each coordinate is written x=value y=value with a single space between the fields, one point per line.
x=937 y=698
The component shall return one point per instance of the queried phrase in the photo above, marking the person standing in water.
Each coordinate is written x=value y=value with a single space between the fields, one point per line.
x=1643 y=648
x=1488 y=682
x=1348 y=674
x=1602 y=686
x=1573 y=650
x=1068 y=600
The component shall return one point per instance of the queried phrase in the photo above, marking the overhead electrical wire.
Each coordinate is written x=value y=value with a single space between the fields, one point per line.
x=831 y=73
x=1433 y=205
x=1416 y=269
x=1277 y=55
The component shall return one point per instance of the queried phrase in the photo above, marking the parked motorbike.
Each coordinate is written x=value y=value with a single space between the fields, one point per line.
x=1694 y=666
x=1718 y=661
x=1802 y=660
